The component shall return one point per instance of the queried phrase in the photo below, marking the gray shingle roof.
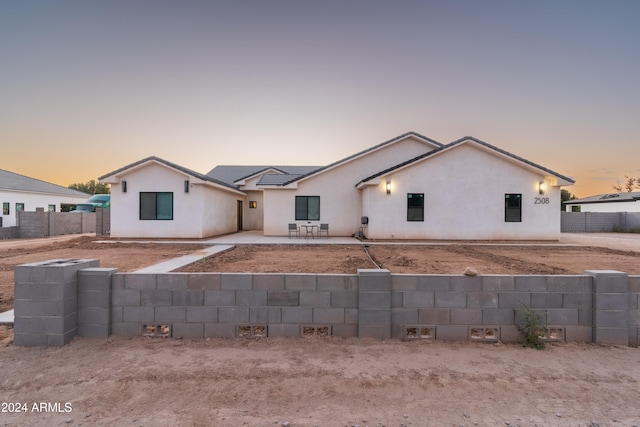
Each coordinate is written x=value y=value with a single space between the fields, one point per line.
x=16 y=182
x=606 y=198
x=233 y=174
x=457 y=142
x=171 y=165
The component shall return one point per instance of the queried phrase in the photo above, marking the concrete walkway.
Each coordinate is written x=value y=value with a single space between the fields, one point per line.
x=619 y=241
x=6 y=318
x=172 y=264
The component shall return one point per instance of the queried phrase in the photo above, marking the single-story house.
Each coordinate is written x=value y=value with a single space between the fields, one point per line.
x=613 y=202
x=409 y=187
x=22 y=193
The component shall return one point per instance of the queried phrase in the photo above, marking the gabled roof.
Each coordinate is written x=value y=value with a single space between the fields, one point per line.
x=15 y=182
x=364 y=152
x=460 y=142
x=606 y=198
x=171 y=165
x=233 y=174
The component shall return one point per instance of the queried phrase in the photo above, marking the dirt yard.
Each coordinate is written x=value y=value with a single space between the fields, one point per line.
x=319 y=381
x=417 y=259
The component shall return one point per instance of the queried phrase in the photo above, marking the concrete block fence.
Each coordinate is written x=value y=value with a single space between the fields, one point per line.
x=56 y=300
x=594 y=222
x=43 y=223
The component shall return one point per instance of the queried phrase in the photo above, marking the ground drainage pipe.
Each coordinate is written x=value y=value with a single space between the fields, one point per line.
x=366 y=251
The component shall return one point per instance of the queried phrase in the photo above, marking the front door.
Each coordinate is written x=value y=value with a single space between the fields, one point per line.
x=239 y=215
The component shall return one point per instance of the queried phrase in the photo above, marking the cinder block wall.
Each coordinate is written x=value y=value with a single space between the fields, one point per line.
x=32 y=224
x=103 y=221
x=599 y=306
x=455 y=306
x=634 y=311
x=46 y=301
x=9 y=232
x=229 y=305
x=593 y=222
x=43 y=223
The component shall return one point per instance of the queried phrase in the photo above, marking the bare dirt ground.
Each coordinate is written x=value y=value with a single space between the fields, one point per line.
x=416 y=259
x=319 y=381
x=124 y=256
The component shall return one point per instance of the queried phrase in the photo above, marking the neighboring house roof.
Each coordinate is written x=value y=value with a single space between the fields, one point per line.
x=15 y=182
x=606 y=198
x=171 y=165
x=457 y=143
x=368 y=150
x=233 y=174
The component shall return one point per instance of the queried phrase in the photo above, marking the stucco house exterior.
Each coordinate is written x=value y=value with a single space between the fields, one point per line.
x=22 y=193
x=613 y=202
x=409 y=187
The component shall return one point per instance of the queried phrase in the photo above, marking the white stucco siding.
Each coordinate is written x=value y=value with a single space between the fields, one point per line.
x=203 y=211
x=219 y=210
x=253 y=217
x=464 y=191
x=31 y=202
x=340 y=205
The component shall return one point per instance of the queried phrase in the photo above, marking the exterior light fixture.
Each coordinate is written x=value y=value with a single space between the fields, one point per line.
x=186 y=186
x=541 y=187
x=124 y=186
x=388 y=186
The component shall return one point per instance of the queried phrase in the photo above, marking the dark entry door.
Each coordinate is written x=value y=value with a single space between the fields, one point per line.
x=239 y=215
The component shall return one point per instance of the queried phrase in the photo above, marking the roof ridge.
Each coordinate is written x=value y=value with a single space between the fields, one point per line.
x=375 y=147
x=172 y=165
x=457 y=142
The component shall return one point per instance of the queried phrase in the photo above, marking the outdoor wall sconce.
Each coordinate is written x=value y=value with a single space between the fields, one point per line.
x=186 y=186
x=253 y=204
x=388 y=186
x=541 y=187
x=124 y=186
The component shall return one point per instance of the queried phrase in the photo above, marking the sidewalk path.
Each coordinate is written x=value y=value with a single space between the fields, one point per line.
x=619 y=241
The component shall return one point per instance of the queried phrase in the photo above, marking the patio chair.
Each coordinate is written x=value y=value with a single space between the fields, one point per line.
x=294 y=229
x=324 y=228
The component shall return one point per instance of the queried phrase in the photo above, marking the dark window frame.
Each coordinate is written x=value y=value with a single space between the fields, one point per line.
x=152 y=207
x=303 y=208
x=19 y=207
x=513 y=210
x=6 y=208
x=415 y=211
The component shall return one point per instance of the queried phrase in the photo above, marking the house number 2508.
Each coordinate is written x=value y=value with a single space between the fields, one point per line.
x=541 y=201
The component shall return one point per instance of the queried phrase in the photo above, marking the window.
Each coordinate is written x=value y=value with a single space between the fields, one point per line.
x=253 y=204
x=156 y=206
x=415 y=207
x=19 y=207
x=5 y=208
x=307 y=208
x=52 y=208
x=513 y=208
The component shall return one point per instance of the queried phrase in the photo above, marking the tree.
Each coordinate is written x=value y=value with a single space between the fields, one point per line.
x=91 y=187
x=630 y=185
x=565 y=196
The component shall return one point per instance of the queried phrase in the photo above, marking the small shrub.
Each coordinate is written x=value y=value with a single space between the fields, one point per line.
x=532 y=329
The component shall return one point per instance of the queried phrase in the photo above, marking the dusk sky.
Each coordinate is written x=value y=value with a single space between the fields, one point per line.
x=87 y=87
